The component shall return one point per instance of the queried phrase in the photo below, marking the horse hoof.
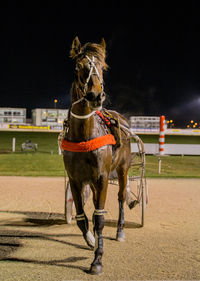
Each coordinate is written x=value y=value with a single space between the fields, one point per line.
x=132 y=204
x=96 y=269
x=120 y=236
x=90 y=240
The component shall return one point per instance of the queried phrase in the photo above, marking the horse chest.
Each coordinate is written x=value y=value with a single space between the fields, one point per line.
x=90 y=165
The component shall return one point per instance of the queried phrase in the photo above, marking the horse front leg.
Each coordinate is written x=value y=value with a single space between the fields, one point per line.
x=122 y=177
x=81 y=218
x=98 y=221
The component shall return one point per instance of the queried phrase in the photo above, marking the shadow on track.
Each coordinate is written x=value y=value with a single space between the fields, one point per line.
x=11 y=239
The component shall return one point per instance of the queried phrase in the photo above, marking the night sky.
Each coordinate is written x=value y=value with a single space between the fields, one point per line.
x=154 y=60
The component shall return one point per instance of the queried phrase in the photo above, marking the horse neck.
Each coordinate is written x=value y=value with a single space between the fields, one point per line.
x=80 y=129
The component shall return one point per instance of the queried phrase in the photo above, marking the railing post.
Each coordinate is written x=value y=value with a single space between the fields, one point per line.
x=162 y=136
x=159 y=165
x=13 y=144
x=59 y=150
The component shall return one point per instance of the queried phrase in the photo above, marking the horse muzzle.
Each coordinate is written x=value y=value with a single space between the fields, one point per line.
x=95 y=100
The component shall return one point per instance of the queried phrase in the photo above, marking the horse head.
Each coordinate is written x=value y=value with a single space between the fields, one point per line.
x=90 y=64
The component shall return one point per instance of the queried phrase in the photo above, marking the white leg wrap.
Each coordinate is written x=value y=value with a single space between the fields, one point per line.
x=90 y=239
x=99 y=212
x=80 y=217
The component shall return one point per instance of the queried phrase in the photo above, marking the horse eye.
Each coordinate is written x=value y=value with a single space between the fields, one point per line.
x=78 y=66
x=88 y=65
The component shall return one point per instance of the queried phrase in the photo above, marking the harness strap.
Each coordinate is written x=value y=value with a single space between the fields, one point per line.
x=106 y=120
x=98 y=212
x=80 y=217
x=87 y=146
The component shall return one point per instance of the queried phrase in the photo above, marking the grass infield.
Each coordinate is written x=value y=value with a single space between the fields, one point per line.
x=47 y=162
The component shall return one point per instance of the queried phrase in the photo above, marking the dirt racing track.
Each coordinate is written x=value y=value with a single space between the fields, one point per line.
x=36 y=244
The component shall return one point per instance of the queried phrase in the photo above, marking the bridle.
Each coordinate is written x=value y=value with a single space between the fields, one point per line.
x=92 y=71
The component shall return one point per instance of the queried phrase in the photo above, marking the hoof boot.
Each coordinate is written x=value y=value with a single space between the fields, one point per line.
x=96 y=269
x=120 y=236
x=90 y=240
x=132 y=204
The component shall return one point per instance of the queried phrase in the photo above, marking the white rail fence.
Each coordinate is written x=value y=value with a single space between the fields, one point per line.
x=185 y=132
x=170 y=149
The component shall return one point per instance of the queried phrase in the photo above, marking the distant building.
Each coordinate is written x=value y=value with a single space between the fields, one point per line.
x=10 y=115
x=145 y=123
x=49 y=117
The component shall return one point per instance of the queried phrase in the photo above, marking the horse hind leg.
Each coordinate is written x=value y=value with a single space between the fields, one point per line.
x=81 y=218
x=122 y=177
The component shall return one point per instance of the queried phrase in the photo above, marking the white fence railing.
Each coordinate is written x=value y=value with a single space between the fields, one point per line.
x=170 y=149
x=186 y=132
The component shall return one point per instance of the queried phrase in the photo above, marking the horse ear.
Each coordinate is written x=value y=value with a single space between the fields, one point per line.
x=103 y=43
x=76 y=48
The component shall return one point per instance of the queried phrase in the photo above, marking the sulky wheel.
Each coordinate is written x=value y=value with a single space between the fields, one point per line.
x=69 y=203
x=143 y=199
x=136 y=197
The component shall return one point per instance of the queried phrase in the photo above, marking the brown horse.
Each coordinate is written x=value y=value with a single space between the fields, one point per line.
x=93 y=167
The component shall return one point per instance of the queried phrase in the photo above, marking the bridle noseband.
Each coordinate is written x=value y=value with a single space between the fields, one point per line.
x=92 y=71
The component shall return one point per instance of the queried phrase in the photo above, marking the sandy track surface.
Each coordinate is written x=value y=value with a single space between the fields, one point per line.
x=36 y=244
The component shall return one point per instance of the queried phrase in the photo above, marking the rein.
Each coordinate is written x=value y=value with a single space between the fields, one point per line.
x=82 y=116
